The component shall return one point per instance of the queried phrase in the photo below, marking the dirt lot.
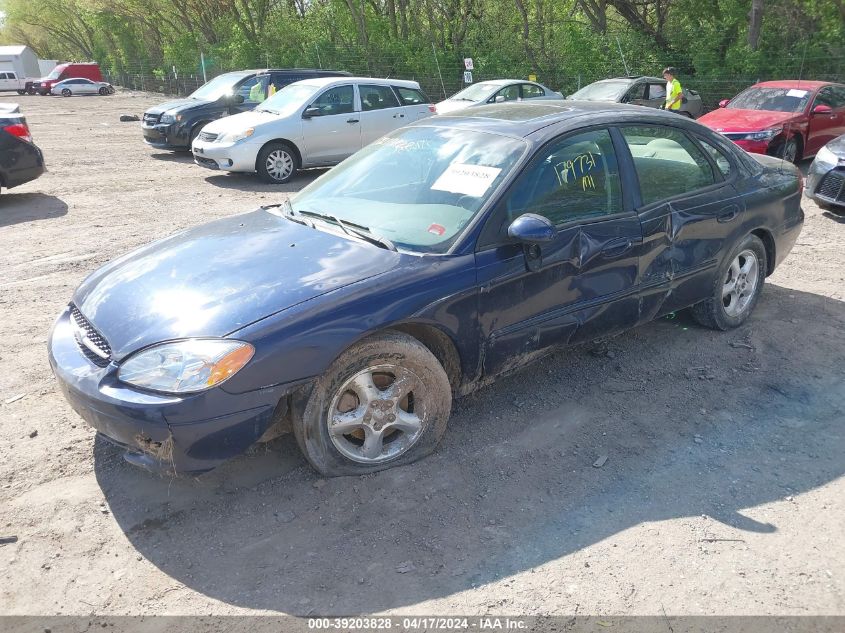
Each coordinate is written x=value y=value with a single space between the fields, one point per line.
x=723 y=490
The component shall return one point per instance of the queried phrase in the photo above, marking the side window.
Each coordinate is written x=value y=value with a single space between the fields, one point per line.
x=656 y=91
x=377 y=97
x=11 y=76
x=254 y=89
x=509 y=93
x=575 y=178
x=838 y=94
x=409 y=96
x=667 y=162
x=825 y=97
x=718 y=157
x=530 y=91
x=337 y=100
x=3 y=76
x=636 y=92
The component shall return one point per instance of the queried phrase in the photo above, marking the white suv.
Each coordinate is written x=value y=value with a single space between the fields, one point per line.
x=310 y=123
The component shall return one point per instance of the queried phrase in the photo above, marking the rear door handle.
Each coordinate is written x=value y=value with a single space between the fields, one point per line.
x=617 y=247
x=728 y=214
x=352 y=120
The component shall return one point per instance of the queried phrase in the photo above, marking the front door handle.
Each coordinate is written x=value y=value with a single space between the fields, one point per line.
x=728 y=214
x=617 y=247
x=352 y=120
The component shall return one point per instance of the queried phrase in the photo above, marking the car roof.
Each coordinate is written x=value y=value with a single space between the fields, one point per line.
x=327 y=81
x=795 y=83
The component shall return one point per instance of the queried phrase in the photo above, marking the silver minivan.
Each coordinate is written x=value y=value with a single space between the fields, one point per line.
x=310 y=123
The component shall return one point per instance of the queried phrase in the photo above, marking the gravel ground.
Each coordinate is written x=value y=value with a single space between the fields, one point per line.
x=722 y=492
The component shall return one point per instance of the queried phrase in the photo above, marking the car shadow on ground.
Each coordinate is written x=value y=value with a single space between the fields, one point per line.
x=29 y=207
x=251 y=182
x=513 y=485
x=174 y=157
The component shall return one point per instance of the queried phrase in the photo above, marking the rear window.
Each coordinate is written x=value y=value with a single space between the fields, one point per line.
x=410 y=96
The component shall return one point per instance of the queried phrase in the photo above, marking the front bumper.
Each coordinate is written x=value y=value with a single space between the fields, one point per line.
x=825 y=183
x=165 y=136
x=238 y=156
x=190 y=433
x=754 y=147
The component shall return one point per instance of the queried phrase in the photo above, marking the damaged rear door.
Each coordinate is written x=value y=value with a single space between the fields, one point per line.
x=690 y=211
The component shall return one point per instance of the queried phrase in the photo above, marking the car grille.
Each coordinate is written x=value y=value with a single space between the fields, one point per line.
x=832 y=186
x=208 y=137
x=151 y=119
x=90 y=341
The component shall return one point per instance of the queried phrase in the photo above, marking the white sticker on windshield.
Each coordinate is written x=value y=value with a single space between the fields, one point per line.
x=797 y=93
x=469 y=180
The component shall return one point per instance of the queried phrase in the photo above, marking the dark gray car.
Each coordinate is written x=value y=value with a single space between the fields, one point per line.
x=638 y=90
x=826 y=178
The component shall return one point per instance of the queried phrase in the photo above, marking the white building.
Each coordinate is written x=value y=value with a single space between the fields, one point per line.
x=46 y=65
x=20 y=59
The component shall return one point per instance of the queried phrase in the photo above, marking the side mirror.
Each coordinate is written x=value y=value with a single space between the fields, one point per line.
x=532 y=230
x=500 y=98
x=724 y=103
x=822 y=109
x=310 y=111
x=237 y=99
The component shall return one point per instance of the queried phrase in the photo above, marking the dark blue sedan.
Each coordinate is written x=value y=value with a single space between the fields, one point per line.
x=444 y=254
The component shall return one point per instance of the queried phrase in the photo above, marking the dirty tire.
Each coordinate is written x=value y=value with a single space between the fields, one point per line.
x=284 y=163
x=712 y=312
x=429 y=400
x=789 y=150
x=103 y=91
x=66 y=92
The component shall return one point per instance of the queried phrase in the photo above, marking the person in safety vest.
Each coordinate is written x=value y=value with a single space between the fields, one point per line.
x=674 y=92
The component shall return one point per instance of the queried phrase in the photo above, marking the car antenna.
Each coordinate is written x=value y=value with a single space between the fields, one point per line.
x=789 y=123
x=622 y=55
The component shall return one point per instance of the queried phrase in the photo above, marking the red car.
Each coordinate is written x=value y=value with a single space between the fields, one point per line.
x=789 y=119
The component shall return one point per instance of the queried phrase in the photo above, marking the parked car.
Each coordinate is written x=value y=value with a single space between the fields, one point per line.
x=173 y=125
x=825 y=181
x=496 y=91
x=789 y=119
x=638 y=90
x=446 y=253
x=10 y=81
x=80 y=86
x=312 y=123
x=87 y=70
x=20 y=159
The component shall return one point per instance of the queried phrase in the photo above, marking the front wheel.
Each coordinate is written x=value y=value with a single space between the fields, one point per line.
x=384 y=402
x=276 y=163
x=66 y=92
x=737 y=288
x=788 y=150
x=21 y=92
x=104 y=91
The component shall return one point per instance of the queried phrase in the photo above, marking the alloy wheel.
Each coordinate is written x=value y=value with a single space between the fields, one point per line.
x=377 y=414
x=740 y=283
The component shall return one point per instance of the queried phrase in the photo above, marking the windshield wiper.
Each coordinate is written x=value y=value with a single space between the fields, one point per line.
x=365 y=234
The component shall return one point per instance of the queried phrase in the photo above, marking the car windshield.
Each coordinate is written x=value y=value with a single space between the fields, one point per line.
x=217 y=87
x=602 y=91
x=56 y=72
x=417 y=187
x=771 y=99
x=290 y=98
x=476 y=92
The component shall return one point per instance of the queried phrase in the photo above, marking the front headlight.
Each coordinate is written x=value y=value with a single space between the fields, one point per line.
x=826 y=156
x=763 y=135
x=234 y=137
x=186 y=366
x=170 y=118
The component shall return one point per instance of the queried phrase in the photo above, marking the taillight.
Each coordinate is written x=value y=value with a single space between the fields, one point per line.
x=21 y=130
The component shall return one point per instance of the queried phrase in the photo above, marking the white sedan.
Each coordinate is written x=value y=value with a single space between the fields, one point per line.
x=496 y=91
x=81 y=86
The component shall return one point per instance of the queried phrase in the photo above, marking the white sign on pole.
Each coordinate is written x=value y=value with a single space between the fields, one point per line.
x=467 y=77
x=468 y=63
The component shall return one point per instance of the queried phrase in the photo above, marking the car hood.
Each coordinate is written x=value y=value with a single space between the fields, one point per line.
x=180 y=105
x=216 y=278
x=241 y=121
x=837 y=146
x=728 y=120
x=452 y=105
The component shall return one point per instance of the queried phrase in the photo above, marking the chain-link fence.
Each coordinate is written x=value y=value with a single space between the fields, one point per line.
x=441 y=74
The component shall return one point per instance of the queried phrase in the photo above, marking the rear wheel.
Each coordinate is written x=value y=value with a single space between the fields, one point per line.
x=66 y=92
x=21 y=92
x=384 y=402
x=276 y=163
x=737 y=288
